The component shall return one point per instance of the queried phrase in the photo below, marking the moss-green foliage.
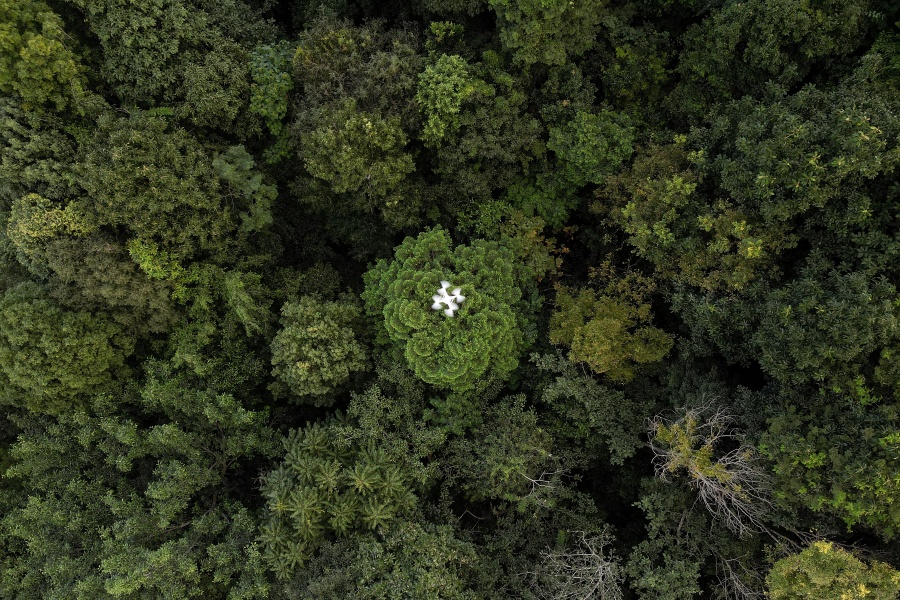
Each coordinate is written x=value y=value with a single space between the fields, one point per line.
x=666 y=565
x=378 y=68
x=823 y=570
x=328 y=486
x=412 y=560
x=35 y=62
x=36 y=155
x=710 y=246
x=391 y=413
x=485 y=336
x=610 y=329
x=270 y=70
x=157 y=182
x=216 y=88
x=359 y=154
x=35 y=222
x=634 y=56
x=237 y=171
x=826 y=329
x=223 y=222
x=741 y=46
x=591 y=146
x=94 y=274
x=51 y=357
x=518 y=231
x=174 y=52
x=547 y=31
x=316 y=350
x=352 y=117
x=496 y=140
x=600 y=421
x=512 y=460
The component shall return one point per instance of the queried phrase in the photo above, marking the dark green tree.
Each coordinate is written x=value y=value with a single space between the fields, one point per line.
x=109 y=508
x=412 y=560
x=610 y=329
x=540 y=31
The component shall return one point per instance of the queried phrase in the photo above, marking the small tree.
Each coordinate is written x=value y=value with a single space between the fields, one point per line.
x=591 y=146
x=610 y=330
x=547 y=31
x=732 y=487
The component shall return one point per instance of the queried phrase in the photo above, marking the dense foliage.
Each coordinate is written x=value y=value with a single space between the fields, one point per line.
x=460 y=299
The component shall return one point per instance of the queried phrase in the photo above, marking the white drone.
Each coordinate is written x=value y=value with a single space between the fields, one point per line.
x=451 y=300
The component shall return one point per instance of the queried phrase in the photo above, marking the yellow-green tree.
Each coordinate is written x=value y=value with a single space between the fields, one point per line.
x=823 y=571
x=35 y=63
x=610 y=329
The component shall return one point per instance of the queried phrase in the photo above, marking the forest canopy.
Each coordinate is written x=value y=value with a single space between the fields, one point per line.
x=460 y=299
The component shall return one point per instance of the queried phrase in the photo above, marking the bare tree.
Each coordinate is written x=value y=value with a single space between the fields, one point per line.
x=736 y=579
x=733 y=486
x=587 y=571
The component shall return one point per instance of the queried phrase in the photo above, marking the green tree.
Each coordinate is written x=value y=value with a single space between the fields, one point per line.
x=484 y=337
x=107 y=507
x=216 y=87
x=542 y=31
x=177 y=53
x=595 y=420
x=36 y=155
x=317 y=348
x=741 y=46
x=592 y=146
x=35 y=223
x=709 y=245
x=824 y=328
x=336 y=61
x=270 y=70
x=511 y=460
x=53 y=358
x=443 y=87
x=157 y=182
x=360 y=155
x=412 y=560
x=477 y=120
x=828 y=572
x=833 y=456
x=94 y=274
x=391 y=413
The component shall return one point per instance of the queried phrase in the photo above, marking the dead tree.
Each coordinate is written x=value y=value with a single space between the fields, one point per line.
x=731 y=484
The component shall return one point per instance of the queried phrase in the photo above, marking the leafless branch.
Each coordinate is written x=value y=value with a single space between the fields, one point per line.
x=733 y=487
x=737 y=580
x=586 y=571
